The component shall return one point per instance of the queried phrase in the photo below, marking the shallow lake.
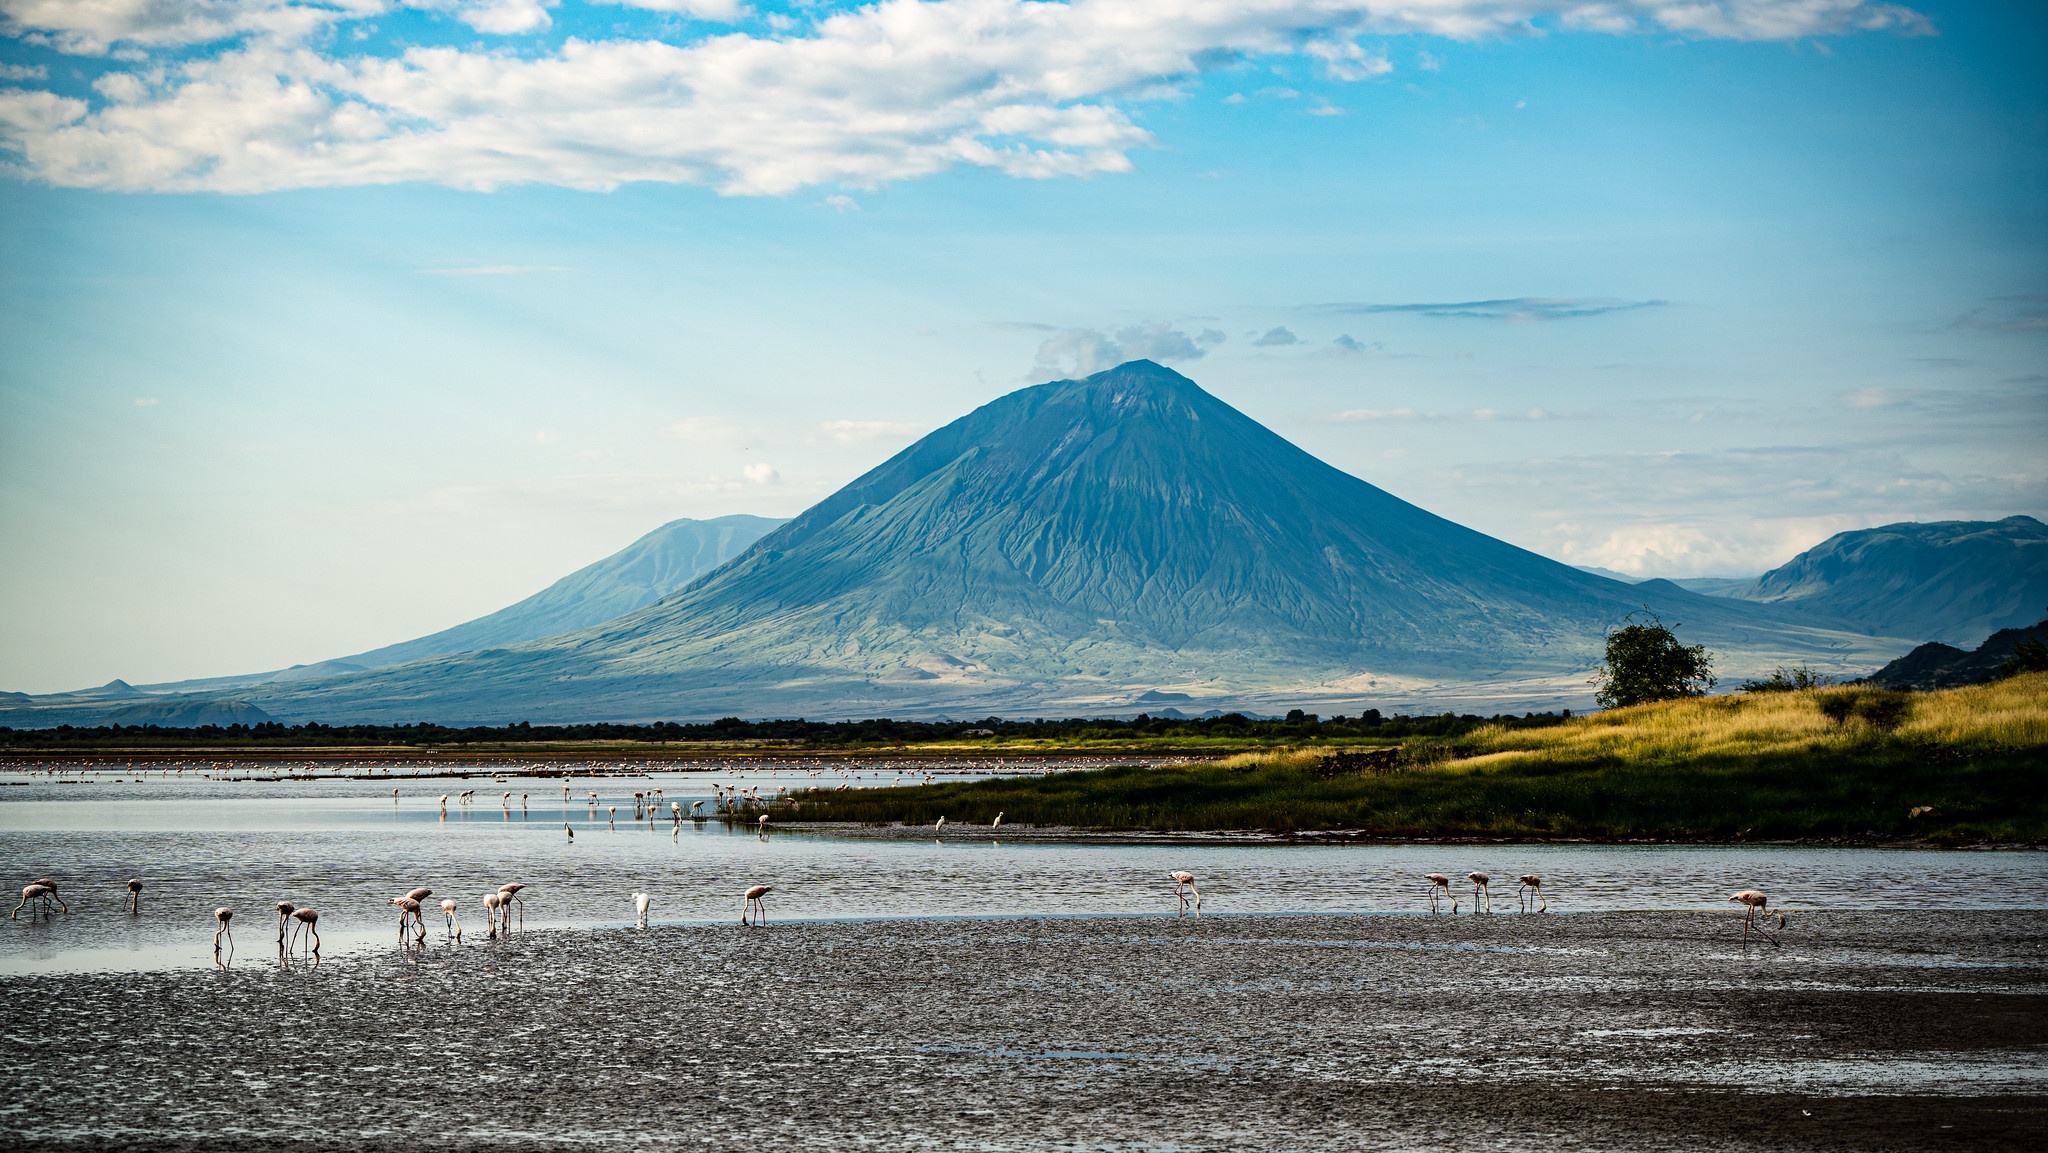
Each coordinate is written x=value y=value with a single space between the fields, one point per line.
x=335 y=838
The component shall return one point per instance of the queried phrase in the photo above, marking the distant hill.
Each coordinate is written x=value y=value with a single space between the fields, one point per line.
x=1939 y=666
x=638 y=575
x=1069 y=549
x=1949 y=581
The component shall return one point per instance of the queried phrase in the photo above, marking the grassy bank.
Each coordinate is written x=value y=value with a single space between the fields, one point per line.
x=1973 y=762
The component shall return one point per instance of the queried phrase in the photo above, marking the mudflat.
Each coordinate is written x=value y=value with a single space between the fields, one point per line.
x=1858 y=1031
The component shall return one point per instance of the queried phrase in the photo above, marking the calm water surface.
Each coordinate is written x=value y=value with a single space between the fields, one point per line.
x=248 y=836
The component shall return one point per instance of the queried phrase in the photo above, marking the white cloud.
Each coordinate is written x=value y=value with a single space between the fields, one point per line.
x=23 y=72
x=145 y=402
x=1077 y=352
x=890 y=91
x=704 y=430
x=761 y=472
x=547 y=436
x=723 y=11
x=1276 y=336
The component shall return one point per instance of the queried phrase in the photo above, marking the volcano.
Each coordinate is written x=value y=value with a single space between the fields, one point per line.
x=1086 y=546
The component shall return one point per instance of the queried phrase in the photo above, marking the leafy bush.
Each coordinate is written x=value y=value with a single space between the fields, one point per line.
x=1645 y=663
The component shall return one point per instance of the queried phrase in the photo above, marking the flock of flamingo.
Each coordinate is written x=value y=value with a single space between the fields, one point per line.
x=297 y=925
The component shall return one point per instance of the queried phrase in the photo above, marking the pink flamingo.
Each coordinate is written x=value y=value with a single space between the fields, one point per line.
x=1755 y=902
x=134 y=894
x=221 y=917
x=51 y=885
x=454 y=923
x=1183 y=884
x=1533 y=885
x=39 y=895
x=409 y=911
x=1479 y=889
x=309 y=921
x=284 y=919
x=754 y=901
x=1437 y=881
x=421 y=893
x=510 y=891
x=493 y=904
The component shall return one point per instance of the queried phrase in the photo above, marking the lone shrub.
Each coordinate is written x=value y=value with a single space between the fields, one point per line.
x=1646 y=663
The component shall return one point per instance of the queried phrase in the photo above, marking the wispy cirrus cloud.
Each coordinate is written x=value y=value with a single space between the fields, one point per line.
x=2008 y=314
x=885 y=92
x=1512 y=308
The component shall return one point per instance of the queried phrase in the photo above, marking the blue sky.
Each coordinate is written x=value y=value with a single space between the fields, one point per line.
x=331 y=326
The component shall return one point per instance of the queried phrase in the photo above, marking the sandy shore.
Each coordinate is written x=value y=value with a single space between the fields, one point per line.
x=1612 y=1031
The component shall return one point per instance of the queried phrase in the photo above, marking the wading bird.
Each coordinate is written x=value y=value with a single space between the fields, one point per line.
x=510 y=891
x=640 y=908
x=221 y=917
x=421 y=893
x=308 y=921
x=939 y=827
x=51 y=893
x=1532 y=888
x=1479 y=890
x=1439 y=883
x=1183 y=885
x=409 y=911
x=754 y=901
x=1755 y=902
x=568 y=830
x=134 y=894
x=997 y=823
x=454 y=923
x=284 y=918
x=764 y=826
x=444 y=806
x=40 y=898
x=494 y=905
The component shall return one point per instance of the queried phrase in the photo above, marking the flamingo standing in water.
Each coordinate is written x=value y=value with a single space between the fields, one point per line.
x=409 y=911
x=1479 y=889
x=1755 y=902
x=51 y=895
x=1183 y=884
x=284 y=916
x=221 y=917
x=1439 y=883
x=754 y=901
x=640 y=902
x=1532 y=886
x=510 y=892
x=763 y=826
x=494 y=904
x=33 y=893
x=308 y=921
x=134 y=894
x=454 y=923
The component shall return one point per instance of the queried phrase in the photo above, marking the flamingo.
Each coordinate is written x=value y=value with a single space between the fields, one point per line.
x=1534 y=886
x=444 y=806
x=454 y=923
x=494 y=904
x=51 y=885
x=1479 y=889
x=308 y=921
x=1183 y=884
x=754 y=901
x=421 y=893
x=284 y=914
x=134 y=894
x=1439 y=882
x=696 y=813
x=1756 y=903
x=613 y=819
x=35 y=893
x=640 y=902
x=568 y=830
x=764 y=826
x=510 y=891
x=409 y=910
x=221 y=917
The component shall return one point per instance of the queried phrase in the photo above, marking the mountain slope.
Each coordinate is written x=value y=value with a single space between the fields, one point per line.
x=1938 y=666
x=1073 y=546
x=639 y=574
x=1949 y=581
